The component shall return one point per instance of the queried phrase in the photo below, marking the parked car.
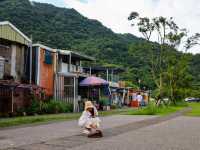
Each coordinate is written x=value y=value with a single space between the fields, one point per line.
x=192 y=99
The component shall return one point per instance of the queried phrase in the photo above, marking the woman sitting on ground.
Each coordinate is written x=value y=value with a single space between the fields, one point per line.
x=90 y=121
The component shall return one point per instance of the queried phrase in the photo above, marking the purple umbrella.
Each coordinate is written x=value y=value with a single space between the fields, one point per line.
x=93 y=81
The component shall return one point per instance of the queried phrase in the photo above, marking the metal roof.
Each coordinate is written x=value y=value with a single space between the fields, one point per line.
x=103 y=69
x=68 y=74
x=76 y=55
x=9 y=32
x=45 y=47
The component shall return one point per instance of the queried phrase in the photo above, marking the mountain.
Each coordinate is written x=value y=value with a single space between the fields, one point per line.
x=67 y=29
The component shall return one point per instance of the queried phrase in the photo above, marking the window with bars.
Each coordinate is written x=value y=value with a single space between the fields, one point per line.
x=69 y=86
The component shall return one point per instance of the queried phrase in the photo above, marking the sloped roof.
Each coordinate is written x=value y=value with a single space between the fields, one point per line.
x=45 y=47
x=9 y=32
x=76 y=54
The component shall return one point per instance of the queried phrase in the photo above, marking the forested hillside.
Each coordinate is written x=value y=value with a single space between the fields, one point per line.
x=67 y=29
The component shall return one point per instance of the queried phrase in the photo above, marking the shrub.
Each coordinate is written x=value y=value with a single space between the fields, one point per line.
x=53 y=106
x=49 y=107
x=104 y=101
x=69 y=108
x=34 y=108
x=114 y=106
x=151 y=109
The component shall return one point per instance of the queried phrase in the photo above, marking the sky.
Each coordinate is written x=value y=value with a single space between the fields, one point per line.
x=114 y=13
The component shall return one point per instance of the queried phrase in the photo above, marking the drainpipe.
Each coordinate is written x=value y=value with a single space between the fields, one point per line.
x=55 y=75
x=70 y=61
x=74 y=94
x=12 y=99
x=30 y=73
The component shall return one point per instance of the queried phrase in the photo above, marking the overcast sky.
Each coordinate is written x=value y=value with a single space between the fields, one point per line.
x=114 y=13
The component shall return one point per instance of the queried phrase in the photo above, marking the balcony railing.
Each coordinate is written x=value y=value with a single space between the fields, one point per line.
x=64 y=67
x=73 y=69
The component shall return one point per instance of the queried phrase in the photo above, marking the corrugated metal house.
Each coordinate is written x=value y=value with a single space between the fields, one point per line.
x=44 y=67
x=57 y=71
x=13 y=49
x=14 y=62
x=69 y=73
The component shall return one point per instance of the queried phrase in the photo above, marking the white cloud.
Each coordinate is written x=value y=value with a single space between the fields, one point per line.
x=114 y=13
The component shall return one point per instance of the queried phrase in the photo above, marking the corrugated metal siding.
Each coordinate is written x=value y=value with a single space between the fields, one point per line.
x=8 y=33
x=46 y=73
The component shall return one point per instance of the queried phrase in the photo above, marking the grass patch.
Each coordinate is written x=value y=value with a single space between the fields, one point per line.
x=8 y=122
x=154 y=110
x=195 y=109
x=149 y=110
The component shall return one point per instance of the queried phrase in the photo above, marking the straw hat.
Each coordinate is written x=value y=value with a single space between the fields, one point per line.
x=88 y=104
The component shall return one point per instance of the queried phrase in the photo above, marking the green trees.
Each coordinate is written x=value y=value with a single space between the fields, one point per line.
x=169 y=69
x=67 y=29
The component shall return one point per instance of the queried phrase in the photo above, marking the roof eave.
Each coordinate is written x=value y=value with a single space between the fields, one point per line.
x=44 y=47
x=17 y=30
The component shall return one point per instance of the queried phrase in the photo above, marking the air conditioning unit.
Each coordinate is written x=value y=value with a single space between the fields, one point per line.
x=2 y=61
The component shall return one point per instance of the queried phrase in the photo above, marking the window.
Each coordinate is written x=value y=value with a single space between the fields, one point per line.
x=68 y=81
x=69 y=87
x=48 y=57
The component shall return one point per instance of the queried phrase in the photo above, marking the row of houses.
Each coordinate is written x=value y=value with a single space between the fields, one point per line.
x=31 y=66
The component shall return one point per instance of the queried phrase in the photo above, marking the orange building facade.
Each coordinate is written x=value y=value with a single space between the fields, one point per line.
x=44 y=65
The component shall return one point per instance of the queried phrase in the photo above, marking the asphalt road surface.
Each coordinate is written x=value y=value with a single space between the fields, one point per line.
x=174 y=132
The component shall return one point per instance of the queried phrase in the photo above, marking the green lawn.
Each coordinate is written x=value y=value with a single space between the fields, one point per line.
x=150 y=110
x=153 y=110
x=8 y=122
x=195 y=109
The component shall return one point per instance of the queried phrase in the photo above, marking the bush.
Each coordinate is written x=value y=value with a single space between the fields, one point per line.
x=114 y=107
x=49 y=107
x=53 y=107
x=104 y=101
x=34 y=108
x=151 y=109
x=69 y=108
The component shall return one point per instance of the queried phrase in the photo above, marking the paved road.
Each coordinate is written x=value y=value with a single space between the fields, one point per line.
x=30 y=135
x=182 y=133
x=175 y=132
